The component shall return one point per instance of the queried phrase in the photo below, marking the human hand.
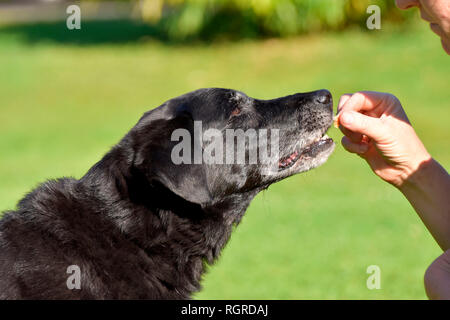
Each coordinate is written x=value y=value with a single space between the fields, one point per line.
x=377 y=129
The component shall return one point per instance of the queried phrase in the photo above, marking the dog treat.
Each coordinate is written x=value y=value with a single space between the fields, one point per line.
x=336 y=121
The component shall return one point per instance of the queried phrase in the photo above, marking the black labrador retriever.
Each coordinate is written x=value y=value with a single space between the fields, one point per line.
x=146 y=219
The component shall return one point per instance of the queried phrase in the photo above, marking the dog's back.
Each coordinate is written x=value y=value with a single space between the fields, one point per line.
x=122 y=250
x=59 y=225
x=31 y=241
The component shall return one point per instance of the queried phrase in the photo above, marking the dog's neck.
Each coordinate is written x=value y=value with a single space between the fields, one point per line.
x=200 y=234
x=180 y=235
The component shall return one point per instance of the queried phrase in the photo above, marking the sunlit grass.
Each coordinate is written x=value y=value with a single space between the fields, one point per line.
x=310 y=236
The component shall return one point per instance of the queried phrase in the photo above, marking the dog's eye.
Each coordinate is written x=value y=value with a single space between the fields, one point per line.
x=235 y=112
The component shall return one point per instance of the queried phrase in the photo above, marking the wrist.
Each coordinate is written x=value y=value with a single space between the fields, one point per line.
x=416 y=168
x=420 y=175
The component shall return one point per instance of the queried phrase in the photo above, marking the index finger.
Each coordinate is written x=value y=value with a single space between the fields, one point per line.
x=370 y=102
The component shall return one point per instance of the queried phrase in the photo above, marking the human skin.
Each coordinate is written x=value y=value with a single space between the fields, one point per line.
x=395 y=153
x=376 y=128
x=436 y=12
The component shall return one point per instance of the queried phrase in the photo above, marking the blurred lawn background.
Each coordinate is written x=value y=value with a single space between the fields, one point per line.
x=68 y=96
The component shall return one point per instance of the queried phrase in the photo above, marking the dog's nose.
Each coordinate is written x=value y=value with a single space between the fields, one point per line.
x=323 y=97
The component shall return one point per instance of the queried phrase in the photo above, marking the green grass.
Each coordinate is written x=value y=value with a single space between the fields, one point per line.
x=311 y=236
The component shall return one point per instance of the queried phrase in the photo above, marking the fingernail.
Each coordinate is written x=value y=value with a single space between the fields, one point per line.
x=346 y=118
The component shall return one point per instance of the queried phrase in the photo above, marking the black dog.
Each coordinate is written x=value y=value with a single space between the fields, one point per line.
x=141 y=224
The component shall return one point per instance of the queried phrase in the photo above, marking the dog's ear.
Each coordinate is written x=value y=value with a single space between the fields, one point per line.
x=153 y=139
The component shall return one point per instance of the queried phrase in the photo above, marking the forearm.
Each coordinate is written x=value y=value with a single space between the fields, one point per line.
x=428 y=191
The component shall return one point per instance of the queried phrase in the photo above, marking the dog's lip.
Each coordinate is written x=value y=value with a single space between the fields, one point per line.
x=309 y=151
x=313 y=149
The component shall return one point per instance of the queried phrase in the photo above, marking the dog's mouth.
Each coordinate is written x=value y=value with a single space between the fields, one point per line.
x=309 y=151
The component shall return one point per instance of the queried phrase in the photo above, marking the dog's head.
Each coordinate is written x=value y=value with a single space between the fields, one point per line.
x=212 y=143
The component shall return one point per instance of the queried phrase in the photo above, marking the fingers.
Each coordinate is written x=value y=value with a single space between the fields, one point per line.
x=344 y=98
x=356 y=122
x=370 y=102
x=353 y=136
x=354 y=147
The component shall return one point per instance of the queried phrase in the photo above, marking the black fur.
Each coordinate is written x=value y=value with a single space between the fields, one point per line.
x=139 y=226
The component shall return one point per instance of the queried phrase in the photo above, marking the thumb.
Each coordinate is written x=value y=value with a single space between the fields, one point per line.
x=360 y=123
